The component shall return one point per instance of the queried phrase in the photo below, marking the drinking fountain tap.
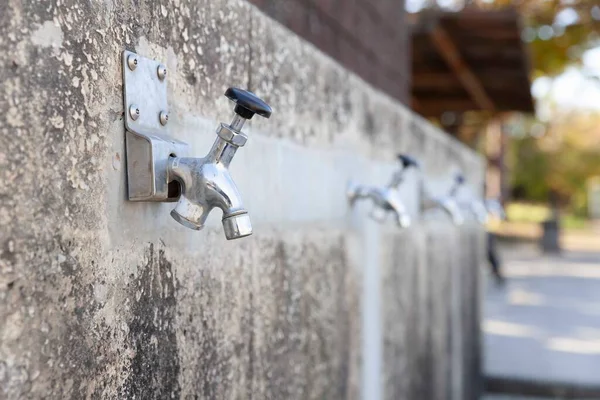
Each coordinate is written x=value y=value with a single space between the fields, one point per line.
x=160 y=168
x=477 y=208
x=206 y=182
x=428 y=201
x=447 y=204
x=385 y=199
x=479 y=211
x=495 y=209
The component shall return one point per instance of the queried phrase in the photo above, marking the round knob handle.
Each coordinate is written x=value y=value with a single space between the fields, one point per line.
x=408 y=161
x=247 y=103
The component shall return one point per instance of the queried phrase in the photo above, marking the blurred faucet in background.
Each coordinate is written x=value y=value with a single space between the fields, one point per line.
x=477 y=208
x=482 y=210
x=495 y=209
x=386 y=199
x=446 y=203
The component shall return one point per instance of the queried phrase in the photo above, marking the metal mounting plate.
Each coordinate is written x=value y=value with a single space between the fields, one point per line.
x=149 y=145
x=143 y=88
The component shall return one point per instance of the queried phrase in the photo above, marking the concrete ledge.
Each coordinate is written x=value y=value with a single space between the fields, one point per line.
x=526 y=387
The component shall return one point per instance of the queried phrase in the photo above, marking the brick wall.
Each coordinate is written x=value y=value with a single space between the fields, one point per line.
x=369 y=37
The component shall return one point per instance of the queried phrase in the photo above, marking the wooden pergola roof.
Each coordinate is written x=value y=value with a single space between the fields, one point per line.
x=468 y=61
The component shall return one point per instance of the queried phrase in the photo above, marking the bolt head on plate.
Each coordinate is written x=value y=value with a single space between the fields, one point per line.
x=134 y=112
x=161 y=71
x=132 y=62
x=163 y=117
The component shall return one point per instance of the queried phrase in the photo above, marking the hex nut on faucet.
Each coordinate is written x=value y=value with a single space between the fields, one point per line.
x=229 y=135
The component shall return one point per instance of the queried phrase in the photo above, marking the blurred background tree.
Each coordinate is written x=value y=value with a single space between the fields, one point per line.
x=557 y=150
x=558 y=157
x=558 y=31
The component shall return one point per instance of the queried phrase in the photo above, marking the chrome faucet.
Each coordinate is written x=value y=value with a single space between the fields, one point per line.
x=206 y=182
x=385 y=199
x=447 y=204
x=476 y=207
x=160 y=168
x=480 y=209
x=495 y=209
x=428 y=201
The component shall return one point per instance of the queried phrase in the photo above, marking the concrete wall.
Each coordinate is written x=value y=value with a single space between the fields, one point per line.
x=369 y=37
x=104 y=298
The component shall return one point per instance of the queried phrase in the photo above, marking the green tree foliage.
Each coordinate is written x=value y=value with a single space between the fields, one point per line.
x=533 y=169
x=557 y=33
x=552 y=45
x=561 y=161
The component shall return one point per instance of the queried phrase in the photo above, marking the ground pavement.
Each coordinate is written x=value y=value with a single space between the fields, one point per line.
x=543 y=326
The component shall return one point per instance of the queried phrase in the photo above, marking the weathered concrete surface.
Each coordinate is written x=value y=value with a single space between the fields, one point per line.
x=102 y=298
x=429 y=323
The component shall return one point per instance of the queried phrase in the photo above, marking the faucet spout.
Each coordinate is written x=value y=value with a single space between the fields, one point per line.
x=401 y=213
x=356 y=192
x=384 y=200
x=447 y=204
x=479 y=211
x=494 y=208
x=452 y=209
x=206 y=184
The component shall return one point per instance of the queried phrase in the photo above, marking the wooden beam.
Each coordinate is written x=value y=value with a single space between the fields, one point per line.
x=435 y=80
x=415 y=104
x=436 y=107
x=486 y=73
x=469 y=80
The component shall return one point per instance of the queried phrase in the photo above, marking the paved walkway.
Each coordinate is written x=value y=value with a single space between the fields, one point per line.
x=509 y=397
x=544 y=324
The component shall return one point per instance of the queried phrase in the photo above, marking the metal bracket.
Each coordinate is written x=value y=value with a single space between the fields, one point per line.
x=149 y=145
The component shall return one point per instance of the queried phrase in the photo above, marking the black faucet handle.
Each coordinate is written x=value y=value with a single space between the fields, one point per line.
x=459 y=178
x=408 y=161
x=247 y=103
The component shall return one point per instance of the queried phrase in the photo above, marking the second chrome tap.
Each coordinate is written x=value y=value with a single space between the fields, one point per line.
x=385 y=199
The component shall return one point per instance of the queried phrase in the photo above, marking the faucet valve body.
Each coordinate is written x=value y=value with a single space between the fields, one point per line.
x=206 y=182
